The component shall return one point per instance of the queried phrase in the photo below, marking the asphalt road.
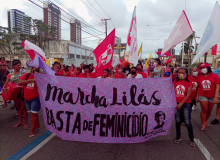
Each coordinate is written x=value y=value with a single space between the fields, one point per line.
x=160 y=148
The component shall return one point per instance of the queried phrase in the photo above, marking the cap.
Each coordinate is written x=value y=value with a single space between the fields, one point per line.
x=204 y=65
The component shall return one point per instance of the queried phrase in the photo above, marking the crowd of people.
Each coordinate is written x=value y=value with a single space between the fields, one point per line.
x=191 y=84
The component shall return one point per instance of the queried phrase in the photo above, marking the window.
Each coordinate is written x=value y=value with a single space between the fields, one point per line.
x=77 y=56
x=72 y=55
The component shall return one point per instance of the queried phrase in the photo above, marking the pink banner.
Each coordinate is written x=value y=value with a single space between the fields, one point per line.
x=104 y=54
x=106 y=110
x=180 y=32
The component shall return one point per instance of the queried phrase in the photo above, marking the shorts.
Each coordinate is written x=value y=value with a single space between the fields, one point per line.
x=201 y=98
x=33 y=105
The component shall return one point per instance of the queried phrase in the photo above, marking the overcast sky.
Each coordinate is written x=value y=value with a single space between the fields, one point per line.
x=148 y=12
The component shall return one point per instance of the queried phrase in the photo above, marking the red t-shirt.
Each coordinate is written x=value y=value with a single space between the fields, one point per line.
x=207 y=85
x=181 y=88
x=144 y=75
x=68 y=75
x=82 y=75
x=30 y=89
x=119 y=75
x=194 y=86
x=59 y=74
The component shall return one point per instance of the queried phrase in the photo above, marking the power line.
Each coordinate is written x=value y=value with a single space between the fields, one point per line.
x=95 y=9
x=64 y=13
x=108 y=16
x=63 y=19
x=99 y=13
x=91 y=10
x=75 y=14
x=88 y=31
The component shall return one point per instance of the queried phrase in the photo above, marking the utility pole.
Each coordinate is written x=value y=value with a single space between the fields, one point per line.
x=106 y=25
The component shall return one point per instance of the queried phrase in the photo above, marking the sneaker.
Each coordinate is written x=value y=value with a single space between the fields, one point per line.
x=215 y=121
x=192 y=143
x=16 y=116
x=183 y=124
x=177 y=140
x=193 y=107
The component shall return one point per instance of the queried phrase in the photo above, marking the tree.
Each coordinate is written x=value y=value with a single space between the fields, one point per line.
x=188 y=48
x=11 y=41
x=6 y=40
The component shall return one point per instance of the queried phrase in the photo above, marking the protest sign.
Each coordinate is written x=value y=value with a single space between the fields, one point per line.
x=106 y=110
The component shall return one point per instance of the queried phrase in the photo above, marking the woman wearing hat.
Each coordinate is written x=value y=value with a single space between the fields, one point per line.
x=207 y=93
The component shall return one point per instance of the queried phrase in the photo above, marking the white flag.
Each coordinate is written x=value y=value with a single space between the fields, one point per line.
x=211 y=35
x=115 y=61
x=132 y=40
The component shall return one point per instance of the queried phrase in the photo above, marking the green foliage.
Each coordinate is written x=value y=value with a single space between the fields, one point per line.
x=43 y=34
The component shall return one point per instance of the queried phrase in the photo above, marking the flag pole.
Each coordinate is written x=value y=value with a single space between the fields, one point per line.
x=86 y=58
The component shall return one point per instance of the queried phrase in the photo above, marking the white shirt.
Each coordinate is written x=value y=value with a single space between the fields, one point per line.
x=138 y=76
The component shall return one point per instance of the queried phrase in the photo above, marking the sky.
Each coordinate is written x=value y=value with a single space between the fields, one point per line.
x=148 y=12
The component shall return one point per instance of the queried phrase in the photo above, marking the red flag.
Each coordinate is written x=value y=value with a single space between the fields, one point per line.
x=214 y=50
x=31 y=49
x=104 y=53
x=169 y=60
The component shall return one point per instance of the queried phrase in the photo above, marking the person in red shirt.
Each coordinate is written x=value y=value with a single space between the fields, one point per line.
x=120 y=73
x=77 y=71
x=183 y=89
x=57 y=71
x=207 y=93
x=105 y=73
x=19 y=102
x=31 y=98
x=193 y=77
x=87 y=73
x=140 y=71
x=66 y=72
x=111 y=74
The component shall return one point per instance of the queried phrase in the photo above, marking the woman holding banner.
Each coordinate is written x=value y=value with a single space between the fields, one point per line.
x=140 y=70
x=66 y=72
x=77 y=71
x=120 y=73
x=19 y=102
x=158 y=68
x=31 y=98
x=87 y=72
x=207 y=93
x=183 y=89
x=105 y=73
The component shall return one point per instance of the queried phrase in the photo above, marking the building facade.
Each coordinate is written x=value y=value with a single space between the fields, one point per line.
x=67 y=52
x=52 y=17
x=16 y=19
x=75 y=31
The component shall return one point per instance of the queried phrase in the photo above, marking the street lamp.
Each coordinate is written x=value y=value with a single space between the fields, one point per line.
x=152 y=42
x=158 y=30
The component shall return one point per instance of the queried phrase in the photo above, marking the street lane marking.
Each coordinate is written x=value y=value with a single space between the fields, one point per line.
x=30 y=146
x=203 y=149
x=39 y=146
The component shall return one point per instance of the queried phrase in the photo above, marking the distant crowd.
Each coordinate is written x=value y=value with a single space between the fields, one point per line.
x=191 y=84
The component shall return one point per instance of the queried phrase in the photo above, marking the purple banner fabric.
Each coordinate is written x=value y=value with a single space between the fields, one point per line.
x=107 y=110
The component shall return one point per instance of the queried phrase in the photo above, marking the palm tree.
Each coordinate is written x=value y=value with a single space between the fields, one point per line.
x=188 y=48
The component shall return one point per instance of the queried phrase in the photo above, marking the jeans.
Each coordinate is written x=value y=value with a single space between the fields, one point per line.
x=33 y=105
x=184 y=115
